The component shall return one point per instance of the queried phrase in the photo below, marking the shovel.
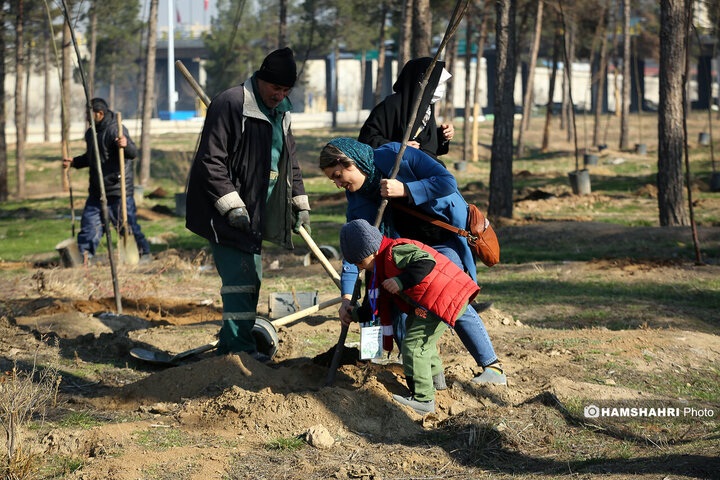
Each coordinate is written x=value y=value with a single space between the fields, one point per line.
x=127 y=248
x=263 y=328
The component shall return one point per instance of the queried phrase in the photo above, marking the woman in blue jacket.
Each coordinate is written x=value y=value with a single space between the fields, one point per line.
x=424 y=185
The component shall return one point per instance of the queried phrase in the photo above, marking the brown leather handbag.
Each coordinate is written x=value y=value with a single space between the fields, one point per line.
x=480 y=235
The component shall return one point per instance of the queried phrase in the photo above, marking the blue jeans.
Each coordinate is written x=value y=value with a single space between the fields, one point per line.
x=92 y=229
x=469 y=326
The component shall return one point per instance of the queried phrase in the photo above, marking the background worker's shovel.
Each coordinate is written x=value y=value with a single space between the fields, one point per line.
x=127 y=248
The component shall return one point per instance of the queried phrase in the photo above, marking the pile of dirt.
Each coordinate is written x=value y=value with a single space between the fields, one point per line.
x=291 y=397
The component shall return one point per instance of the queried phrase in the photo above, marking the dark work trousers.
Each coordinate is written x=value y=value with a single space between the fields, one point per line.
x=91 y=224
x=241 y=275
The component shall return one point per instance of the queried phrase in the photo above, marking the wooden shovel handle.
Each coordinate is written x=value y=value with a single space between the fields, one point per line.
x=121 y=157
x=320 y=255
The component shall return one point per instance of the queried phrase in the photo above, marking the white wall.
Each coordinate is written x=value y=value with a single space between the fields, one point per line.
x=314 y=96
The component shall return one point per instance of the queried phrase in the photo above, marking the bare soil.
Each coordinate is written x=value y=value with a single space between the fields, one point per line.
x=224 y=416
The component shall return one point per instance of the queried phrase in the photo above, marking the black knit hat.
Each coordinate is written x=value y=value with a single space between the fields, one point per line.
x=279 y=68
x=359 y=240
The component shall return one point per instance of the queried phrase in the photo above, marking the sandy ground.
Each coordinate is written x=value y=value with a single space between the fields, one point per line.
x=222 y=416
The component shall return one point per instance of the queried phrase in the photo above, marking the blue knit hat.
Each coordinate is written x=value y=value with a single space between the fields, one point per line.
x=358 y=240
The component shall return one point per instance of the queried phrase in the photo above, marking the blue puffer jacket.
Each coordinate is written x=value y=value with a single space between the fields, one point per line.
x=434 y=192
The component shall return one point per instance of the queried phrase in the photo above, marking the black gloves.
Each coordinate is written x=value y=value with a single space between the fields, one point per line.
x=302 y=217
x=239 y=218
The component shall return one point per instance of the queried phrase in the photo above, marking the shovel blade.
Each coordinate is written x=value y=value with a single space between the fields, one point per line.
x=127 y=250
x=156 y=358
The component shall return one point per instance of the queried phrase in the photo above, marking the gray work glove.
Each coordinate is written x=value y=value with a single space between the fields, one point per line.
x=239 y=218
x=302 y=217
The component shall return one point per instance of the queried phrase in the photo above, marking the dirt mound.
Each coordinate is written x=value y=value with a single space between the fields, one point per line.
x=648 y=190
x=210 y=377
x=291 y=397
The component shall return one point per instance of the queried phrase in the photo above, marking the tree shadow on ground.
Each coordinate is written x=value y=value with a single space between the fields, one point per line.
x=486 y=444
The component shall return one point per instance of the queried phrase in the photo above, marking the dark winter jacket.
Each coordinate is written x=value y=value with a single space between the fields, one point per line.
x=232 y=169
x=388 y=120
x=109 y=158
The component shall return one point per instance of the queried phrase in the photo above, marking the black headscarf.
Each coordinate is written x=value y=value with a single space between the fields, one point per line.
x=408 y=87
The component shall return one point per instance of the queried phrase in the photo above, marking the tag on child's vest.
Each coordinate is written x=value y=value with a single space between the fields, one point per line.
x=371 y=342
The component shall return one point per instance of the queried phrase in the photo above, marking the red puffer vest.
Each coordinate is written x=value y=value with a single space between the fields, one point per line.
x=444 y=291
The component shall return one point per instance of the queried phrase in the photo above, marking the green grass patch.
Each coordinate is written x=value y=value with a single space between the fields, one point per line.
x=84 y=420
x=159 y=439
x=170 y=471
x=285 y=444
x=59 y=466
x=696 y=384
x=611 y=304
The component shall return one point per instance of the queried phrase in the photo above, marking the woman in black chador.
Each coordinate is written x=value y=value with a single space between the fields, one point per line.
x=388 y=120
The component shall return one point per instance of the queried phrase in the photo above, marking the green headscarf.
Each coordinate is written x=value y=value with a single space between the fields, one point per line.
x=364 y=158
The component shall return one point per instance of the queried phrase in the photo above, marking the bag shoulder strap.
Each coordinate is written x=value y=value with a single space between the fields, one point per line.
x=422 y=216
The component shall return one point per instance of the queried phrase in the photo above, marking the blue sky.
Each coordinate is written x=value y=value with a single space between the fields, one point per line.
x=191 y=11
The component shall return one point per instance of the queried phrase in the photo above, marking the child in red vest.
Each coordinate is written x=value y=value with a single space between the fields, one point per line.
x=425 y=284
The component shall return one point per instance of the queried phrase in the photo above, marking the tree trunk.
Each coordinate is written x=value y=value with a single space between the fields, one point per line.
x=501 y=181
x=381 y=55
x=66 y=76
x=406 y=18
x=148 y=94
x=19 y=107
x=625 y=115
x=140 y=79
x=421 y=29
x=527 y=100
x=476 y=94
x=602 y=74
x=670 y=127
x=336 y=87
x=564 y=101
x=449 y=110
x=111 y=96
x=46 y=87
x=362 y=83
x=569 y=107
x=469 y=27
x=551 y=94
x=28 y=71
x=93 y=48
x=3 y=143
x=282 y=28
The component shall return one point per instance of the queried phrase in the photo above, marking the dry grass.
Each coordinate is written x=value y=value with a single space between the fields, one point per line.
x=24 y=394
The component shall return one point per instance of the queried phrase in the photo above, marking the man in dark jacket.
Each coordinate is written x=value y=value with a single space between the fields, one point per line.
x=109 y=142
x=245 y=187
x=388 y=120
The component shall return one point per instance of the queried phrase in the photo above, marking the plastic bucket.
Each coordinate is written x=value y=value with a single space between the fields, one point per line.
x=590 y=159
x=180 y=204
x=580 y=182
x=704 y=138
x=715 y=182
x=69 y=253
